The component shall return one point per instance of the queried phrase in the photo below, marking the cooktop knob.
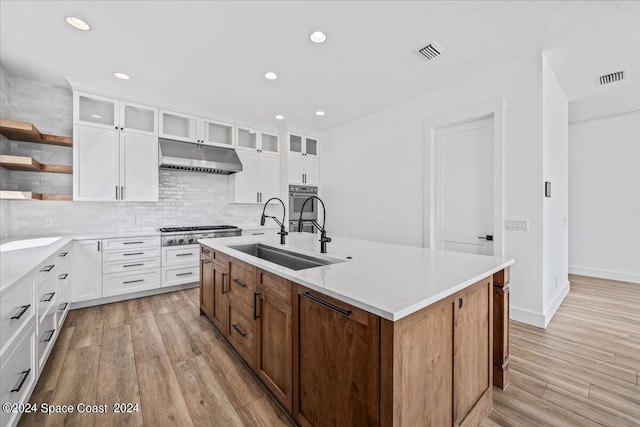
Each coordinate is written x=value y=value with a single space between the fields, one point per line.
x=190 y=239
x=170 y=242
x=181 y=241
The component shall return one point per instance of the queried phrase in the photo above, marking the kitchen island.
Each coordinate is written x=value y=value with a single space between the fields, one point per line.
x=384 y=335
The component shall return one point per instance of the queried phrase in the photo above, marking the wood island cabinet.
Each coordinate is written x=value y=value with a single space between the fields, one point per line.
x=330 y=363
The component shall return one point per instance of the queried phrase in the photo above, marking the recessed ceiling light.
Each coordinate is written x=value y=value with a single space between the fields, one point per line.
x=280 y=117
x=270 y=75
x=77 y=23
x=319 y=113
x=122 y=76
x=318 y=37
x=95 y=116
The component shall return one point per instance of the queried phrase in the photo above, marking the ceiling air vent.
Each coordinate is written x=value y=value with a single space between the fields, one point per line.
x=610 y=78
x=430 y=51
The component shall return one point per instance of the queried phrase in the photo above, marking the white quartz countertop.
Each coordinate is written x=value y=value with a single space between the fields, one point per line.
x=391 y=281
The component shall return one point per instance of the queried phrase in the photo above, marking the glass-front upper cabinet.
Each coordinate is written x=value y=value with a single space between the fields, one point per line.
x=311 y=147
x=95 y=110
x=268 y=142
x=295 y=143
x=179 y=126
x=247 y=139
x=138 y=118
x=217 y=133
x=303 y=145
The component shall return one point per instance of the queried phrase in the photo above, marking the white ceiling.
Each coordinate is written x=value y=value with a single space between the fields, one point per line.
x=213 y=55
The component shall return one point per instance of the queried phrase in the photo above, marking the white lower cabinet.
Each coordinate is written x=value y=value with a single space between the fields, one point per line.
x=86 y=270
x=172 y=276
x=130 y=265
x=180 y=265
x=19 y=374
x=126 y=283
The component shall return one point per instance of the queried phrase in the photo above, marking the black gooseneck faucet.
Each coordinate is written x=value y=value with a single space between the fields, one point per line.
x=323 y=233
x=282 y=232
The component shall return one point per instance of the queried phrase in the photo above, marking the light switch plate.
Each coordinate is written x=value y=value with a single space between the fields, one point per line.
x=516 y=224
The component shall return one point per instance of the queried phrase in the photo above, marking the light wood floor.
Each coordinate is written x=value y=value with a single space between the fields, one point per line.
x=583 y=370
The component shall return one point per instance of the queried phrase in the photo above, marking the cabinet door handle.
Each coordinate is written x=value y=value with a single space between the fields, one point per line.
x=98 y=245
x=258 y=197
x=205 y=251
x=133 y=253
x=132 y=243
x=460 y=302
x=204 y=261
x=223 y=282
x=63 y=254
x=48 y=268
x=239 y=283
x=242 y=334
x=45 y=299
x=326 y=304
x=133 y=281
x=63 y=276
x=185 y=274
x=61 y=308
x=51 y=332
x=22 y=312
x=122 y=192
x=117 y=188
x=255 y=305
x=24 y=378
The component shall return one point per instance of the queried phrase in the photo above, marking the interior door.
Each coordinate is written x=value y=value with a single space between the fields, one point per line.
x=464 y=187
x=269 y=179
x=138 y=167
x=95 y=164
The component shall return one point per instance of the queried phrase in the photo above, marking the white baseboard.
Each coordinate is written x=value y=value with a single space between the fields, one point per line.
x=552 y=307
x=605 y=274
x=116 y=298
x=526 y=316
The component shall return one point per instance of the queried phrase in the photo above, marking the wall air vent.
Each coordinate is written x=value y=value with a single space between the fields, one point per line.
x=610 y=78
x=430 y=51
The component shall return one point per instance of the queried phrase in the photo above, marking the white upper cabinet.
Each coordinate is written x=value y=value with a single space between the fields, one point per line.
x=188 y=128
x=304 y=163
x=256 y=140
x=179 y=126
x=110 y=113
x=248 y=139
x=269 y=143
x=138 y=168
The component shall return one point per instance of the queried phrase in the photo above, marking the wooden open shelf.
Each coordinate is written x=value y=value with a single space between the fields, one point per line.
x=23 y=131
x=30 y=195
x=22 y=163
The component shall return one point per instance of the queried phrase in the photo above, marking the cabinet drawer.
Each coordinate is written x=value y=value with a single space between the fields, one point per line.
x=242 y=278
x=221 y=259
x=275 y=286
x=46 y=297
x=125 y=283
x=187 y=254
x=47 y=269
x=178 y=275
x=131 y=254
x=46 y=337
x=132 y=243
x=241 y=330
x=18 y=376
x=130 y=265
x=16 y=309
x=63 y=299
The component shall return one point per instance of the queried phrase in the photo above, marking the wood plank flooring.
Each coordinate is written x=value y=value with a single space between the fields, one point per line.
x=583 y=370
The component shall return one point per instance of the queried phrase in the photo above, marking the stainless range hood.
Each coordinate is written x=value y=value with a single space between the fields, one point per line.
x=198 y=157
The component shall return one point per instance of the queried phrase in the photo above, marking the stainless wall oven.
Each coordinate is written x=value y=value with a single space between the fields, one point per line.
x=297 y=195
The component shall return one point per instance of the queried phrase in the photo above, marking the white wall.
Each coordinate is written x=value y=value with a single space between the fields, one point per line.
x=555 y=209
x=372 y=171
x=5 y=102
x=604 y=201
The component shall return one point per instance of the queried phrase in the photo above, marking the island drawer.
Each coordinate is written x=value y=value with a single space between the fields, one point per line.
x=241 y=329
x=276 y=286
x=221 y=259
x=16 y=309
x=242 y=278
x=132 y=243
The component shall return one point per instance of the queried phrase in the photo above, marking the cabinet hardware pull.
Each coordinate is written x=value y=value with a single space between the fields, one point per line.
x=24 y=378
x=122 y=192
x=185 y=274
x=223 y=291
x=133 y=253
x=61 y=308
x=63 y=276
x=326 y=304
x=255 y=305
x=132 y=243
x=133 y=281
x=51 y=332
x=242 y=334
x=190 y=253
x=48 y=268
x=22 y=312
x=205 y=251
x=63 y=254
x=258 y=197
x=116 y=188
x=460 y=302
x=134 y=265
x=45 y=299
x=98 y=245
x=239 y=283
x=204 y=261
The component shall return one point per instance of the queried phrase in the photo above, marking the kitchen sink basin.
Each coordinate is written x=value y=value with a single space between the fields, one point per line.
x=289 y=259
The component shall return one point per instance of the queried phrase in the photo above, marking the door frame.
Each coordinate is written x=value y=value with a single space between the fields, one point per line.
x=490 y=109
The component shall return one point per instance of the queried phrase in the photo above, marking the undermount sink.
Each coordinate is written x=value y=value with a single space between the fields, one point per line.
x=289 y=259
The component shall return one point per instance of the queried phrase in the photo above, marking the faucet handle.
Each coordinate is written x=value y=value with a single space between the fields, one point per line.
x=325 y=239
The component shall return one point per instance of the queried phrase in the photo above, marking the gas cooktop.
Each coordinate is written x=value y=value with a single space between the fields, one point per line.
x=198 y=228
x=173 y=236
